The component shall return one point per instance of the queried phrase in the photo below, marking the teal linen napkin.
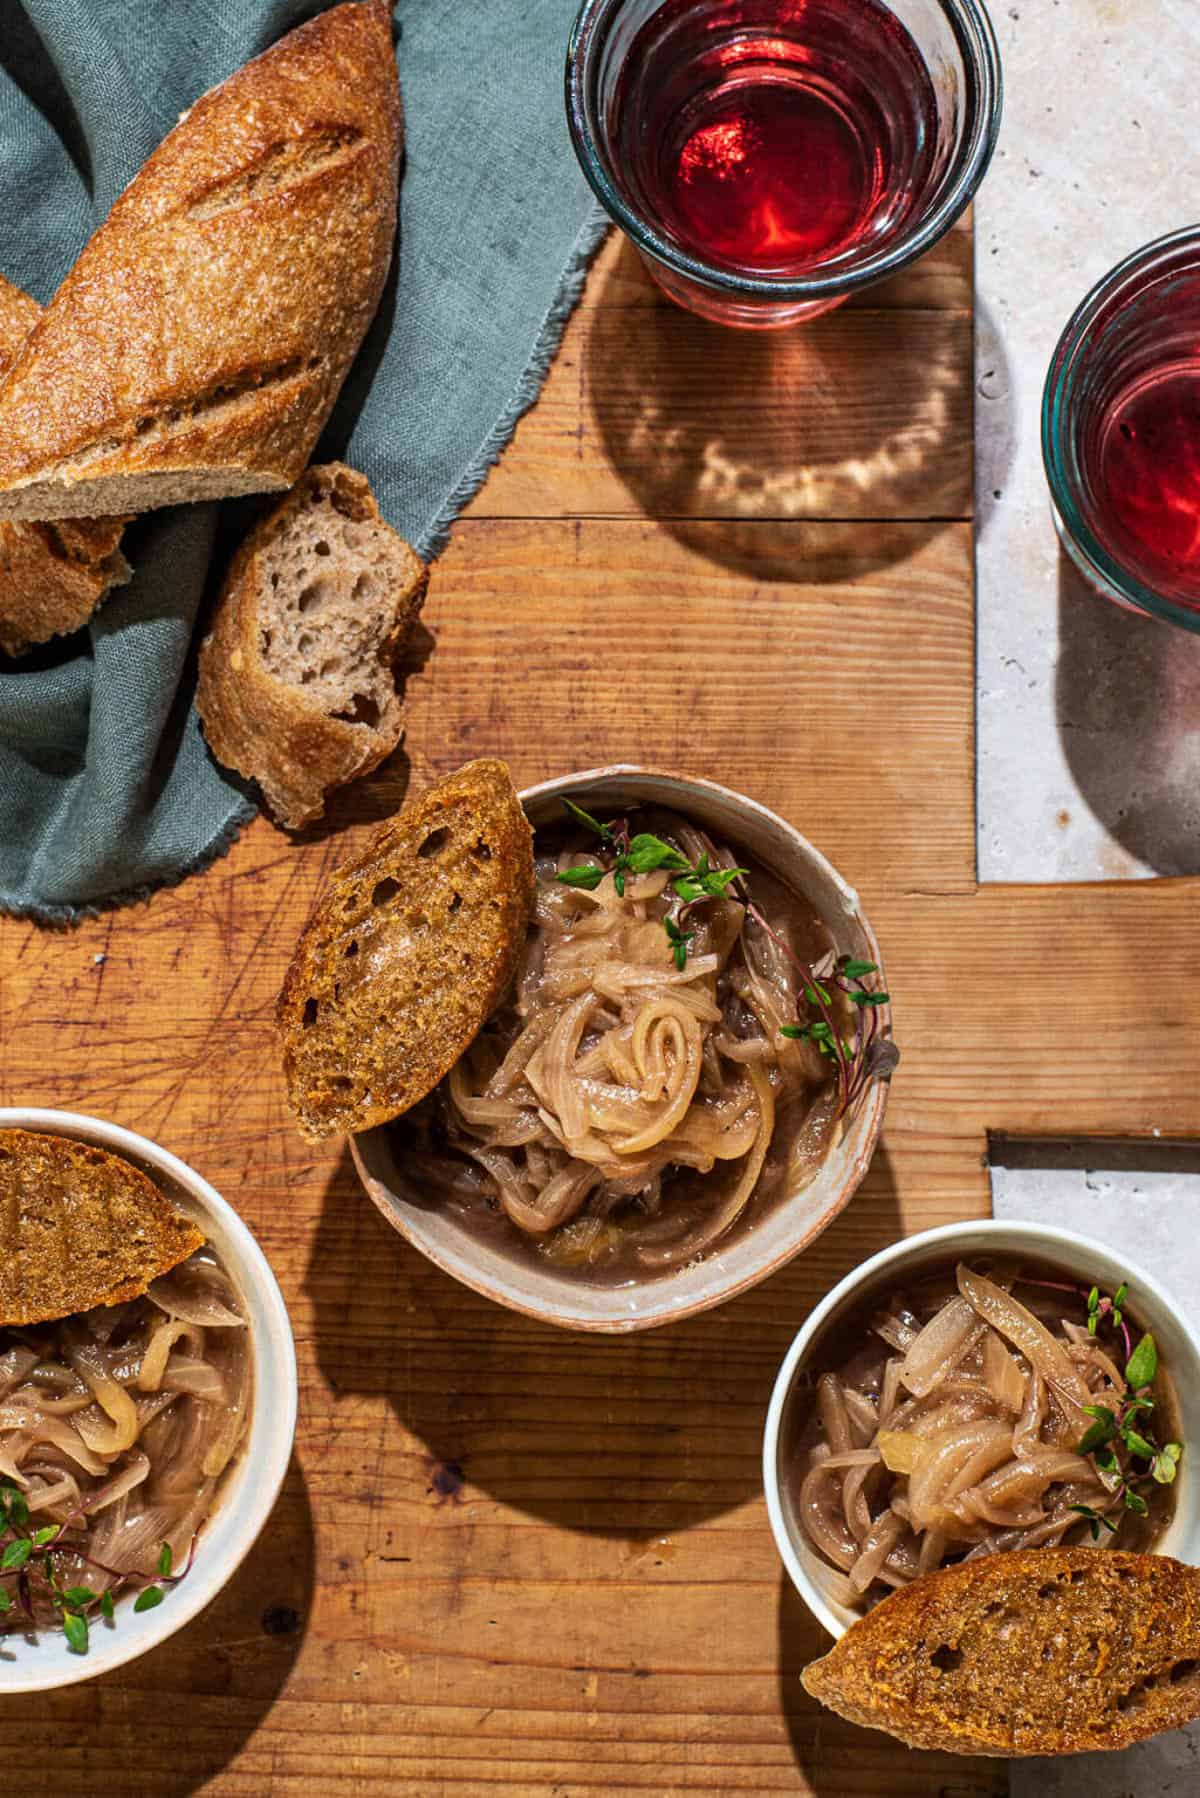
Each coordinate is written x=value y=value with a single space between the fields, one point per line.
x=106 y=787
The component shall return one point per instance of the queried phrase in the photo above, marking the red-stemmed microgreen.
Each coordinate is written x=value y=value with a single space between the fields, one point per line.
x=1128 y=1425
x=865 y=1054
x=29 y=1571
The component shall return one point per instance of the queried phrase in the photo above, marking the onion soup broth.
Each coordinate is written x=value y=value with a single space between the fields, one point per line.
x=631 y=1107
x=942 y=1420
x=118 y=1425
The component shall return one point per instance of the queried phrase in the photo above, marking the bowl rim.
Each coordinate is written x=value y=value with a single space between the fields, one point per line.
x=1066 y=1241
x=869 y=1120
x=272 y=1425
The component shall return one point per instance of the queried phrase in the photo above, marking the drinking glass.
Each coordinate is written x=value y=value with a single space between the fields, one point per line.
x=1121 y=432
x=770 y=157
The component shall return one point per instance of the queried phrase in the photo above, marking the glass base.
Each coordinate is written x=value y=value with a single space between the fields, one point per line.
x=743 y=313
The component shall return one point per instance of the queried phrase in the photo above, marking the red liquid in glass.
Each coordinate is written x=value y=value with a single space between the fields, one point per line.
x=771 y=138
x=1148 y=480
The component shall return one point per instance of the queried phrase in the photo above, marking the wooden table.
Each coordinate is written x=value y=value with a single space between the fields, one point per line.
x=508 y=1561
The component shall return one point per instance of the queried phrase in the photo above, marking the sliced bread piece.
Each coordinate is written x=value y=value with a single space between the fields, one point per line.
x=297 y=679
x=407 y=954
x=1042 y=1651
x=80 y=1227
x=197 y=346
x=52 y=577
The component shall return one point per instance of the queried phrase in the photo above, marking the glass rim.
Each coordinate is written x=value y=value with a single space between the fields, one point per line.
x=976 y=38
x=1084 y=545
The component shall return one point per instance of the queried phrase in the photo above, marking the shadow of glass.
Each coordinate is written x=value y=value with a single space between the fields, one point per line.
x=859 y=422
x=625 y=1437
x=1127 y=700
x=177 y=1717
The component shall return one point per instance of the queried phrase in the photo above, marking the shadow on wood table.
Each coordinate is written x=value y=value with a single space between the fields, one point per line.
x=625 y=1437
x=184 y=1712
x=859 y=421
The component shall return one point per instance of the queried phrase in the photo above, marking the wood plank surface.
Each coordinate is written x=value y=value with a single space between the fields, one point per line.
x=509 y=1561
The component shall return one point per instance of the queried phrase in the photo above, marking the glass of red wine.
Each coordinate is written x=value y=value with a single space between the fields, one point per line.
x=1121 y=432
x=769 y=157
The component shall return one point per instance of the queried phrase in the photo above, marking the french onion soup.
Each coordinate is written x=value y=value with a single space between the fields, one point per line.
x=116 y=1428
x=977 y=1410
x=681 y=1044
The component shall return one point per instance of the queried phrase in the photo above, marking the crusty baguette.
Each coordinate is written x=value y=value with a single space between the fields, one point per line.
x=1043 y=1651
x=407 y=954
x=198 y=344
x=80 y=1227
x=297 y=682
x=52 y=577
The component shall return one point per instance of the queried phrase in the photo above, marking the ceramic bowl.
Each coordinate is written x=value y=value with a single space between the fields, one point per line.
x=250 y=1489
x=1080 y=1259
x=796 y=1219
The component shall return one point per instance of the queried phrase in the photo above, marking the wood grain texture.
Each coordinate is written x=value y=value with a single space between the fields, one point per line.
x=510 y=1562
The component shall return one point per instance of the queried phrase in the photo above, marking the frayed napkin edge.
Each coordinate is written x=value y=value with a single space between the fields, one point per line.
x=545 y=347
x=64 y=916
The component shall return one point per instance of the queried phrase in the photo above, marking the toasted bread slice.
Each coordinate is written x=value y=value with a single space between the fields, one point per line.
x=407 y=954
x=79 y=1227
x=298 y=678
x=52 y=577
x=1043 y=1651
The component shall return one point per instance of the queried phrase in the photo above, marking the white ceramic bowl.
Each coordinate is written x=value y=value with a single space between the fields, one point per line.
x=1087 y=1261
x=556 y=1297
x=249 y=1491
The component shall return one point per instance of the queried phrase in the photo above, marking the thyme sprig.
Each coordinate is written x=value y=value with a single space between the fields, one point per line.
x=30 y=1571
x=866 y=1053
x=1128 y=1426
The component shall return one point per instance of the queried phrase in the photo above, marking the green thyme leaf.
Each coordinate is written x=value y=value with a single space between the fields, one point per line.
x=1095 y=1519
x=856 y=970
x=106 y=1606
x=18 y=1510
x=1135 y=1502
x=148 y=1599
x=76 y=1597
x=646 y=853
x=1143 y=1363
x=680 y=954
x=1095 y=1438
x=75 y=1629
x=16 y=1554
x=1165 y=1464
x=619 y=879
x=42 y=1536
x=165 y=1560
x=795 y=1032
x=870 y=999
x=1137 y=1445
x=588 y=877
x=603 y=831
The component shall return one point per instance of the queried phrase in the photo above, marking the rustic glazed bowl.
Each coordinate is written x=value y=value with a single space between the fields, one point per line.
x=549 y=1294
x=249 y=1491
x=1090 y=1263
